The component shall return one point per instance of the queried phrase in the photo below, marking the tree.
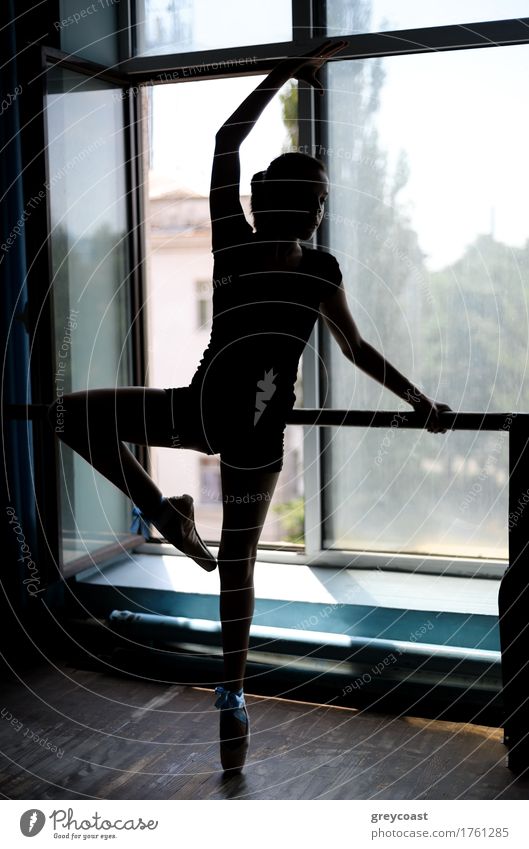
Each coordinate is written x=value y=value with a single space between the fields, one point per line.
x=289 y=104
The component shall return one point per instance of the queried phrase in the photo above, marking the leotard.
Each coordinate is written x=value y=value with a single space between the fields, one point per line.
x=243 y=388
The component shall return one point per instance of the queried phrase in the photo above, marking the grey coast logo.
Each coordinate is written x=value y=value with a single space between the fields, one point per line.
x=31 y=822
x=265 y=390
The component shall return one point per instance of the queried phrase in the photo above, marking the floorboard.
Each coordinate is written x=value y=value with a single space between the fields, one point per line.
x=121 y=738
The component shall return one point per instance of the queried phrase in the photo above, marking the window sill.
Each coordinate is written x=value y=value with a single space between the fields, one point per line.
x=401 y=637
x=344 y=600
x=386 y=561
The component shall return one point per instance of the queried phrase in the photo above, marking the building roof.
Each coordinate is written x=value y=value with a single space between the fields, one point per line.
x=170 y=188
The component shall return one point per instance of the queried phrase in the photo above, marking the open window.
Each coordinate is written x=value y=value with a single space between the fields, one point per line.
x=92 y=202
x=432 y=268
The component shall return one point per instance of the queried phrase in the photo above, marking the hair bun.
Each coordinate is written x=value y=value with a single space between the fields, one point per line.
x=259 y=176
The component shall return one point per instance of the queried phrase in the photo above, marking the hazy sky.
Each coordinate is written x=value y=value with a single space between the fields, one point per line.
x=186 y=118
x=411 y=14
x=462 y=119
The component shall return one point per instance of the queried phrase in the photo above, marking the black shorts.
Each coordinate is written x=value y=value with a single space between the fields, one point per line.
x=239 y=447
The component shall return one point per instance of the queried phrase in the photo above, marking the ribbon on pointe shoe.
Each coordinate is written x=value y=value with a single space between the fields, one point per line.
x=139 y=524
x=231 y=700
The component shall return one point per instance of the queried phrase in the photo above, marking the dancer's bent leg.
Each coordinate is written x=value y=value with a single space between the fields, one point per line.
x=96 y=423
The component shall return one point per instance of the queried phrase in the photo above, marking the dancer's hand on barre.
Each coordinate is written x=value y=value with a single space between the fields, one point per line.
x=430 y=411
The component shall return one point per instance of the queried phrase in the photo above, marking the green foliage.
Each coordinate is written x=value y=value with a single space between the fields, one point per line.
x=479 y=329
x=292 y=515
x=289 y=108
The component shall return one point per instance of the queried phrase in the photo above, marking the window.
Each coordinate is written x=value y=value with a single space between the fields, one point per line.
x=210 y=491
x=90 y=30
x=204 y=304
x=426 y=217
x=180 y=271
x=182 y=26
x=88 y=217
x=345 y=17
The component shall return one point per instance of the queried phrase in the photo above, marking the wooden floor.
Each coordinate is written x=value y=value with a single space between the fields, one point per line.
x=117 y=738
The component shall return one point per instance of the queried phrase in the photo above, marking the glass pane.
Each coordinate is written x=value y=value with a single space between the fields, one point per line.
x=90 y=30
x=88 y=212
x=408 y=491
x=181 y=26
x=357 y=16
x=180 y=273
x=427 y=217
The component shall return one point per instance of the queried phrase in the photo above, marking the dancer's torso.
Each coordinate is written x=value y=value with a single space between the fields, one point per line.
x=262 y=320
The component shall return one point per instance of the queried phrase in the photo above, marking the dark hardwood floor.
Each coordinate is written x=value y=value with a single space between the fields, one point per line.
x=120 y=738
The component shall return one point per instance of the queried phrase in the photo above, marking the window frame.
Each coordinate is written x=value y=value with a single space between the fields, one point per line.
x=308 y=20
x=136 y=353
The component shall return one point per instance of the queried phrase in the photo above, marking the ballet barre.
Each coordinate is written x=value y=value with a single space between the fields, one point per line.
x=513 y=597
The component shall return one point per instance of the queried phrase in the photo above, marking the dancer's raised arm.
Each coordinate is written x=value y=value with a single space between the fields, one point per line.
x=229 y=225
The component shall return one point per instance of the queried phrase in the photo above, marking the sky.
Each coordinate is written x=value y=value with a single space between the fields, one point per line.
x=462 y=119
x=186 y=117
x=411 y=14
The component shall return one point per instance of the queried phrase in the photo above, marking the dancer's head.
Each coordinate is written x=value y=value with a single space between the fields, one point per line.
x=287 y=199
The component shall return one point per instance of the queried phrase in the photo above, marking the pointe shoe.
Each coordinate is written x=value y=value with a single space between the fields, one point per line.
x=234 y=729
x=176 y=521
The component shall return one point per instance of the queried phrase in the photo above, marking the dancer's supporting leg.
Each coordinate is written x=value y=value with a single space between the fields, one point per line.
x=246 y=499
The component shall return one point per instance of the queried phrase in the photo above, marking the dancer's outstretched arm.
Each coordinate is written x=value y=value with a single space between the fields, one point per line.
x=340 y=322
x=229 y=225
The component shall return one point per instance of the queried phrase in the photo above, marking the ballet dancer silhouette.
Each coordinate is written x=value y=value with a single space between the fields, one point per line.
x=270 y=293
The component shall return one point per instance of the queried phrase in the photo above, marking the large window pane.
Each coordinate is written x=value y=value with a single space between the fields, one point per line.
x=427 y=218
x=358 y=16
x=184 y=119
x=179 y=26
x=90 y=30
x=88 y=211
